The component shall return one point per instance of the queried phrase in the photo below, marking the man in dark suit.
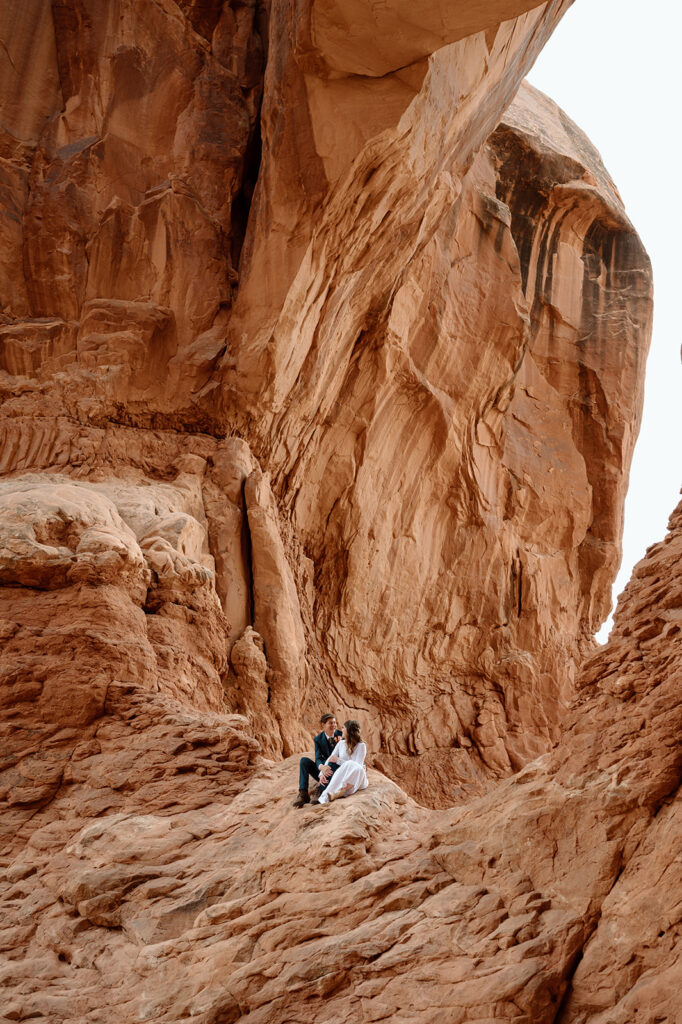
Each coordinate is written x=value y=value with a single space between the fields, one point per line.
x=325 y=742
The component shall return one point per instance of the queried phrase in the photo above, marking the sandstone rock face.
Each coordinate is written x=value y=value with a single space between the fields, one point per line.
x=322 y=343
x=125 y=167
x=111 y=568
x=424 y=334
x=189 y=891
x=449 y=569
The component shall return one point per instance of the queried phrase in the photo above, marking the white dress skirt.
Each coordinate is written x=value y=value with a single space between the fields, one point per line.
x=350 y=773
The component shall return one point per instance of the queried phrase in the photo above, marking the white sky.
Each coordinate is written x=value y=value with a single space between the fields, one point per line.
x=614 y=66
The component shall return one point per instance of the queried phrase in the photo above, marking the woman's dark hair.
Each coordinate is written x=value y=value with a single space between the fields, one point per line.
x=353 y=736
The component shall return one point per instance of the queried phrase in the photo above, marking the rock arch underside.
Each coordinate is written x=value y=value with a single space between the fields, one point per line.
x=322 y=348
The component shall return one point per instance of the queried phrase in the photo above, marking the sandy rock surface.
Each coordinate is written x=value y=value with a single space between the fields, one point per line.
x=322 y=345
x=417 y=313
x=166 y=876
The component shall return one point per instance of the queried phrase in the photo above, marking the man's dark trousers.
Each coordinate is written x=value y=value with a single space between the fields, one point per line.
x=307 y=767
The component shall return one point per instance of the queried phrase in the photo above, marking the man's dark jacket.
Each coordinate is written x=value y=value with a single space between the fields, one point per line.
x=323 y=748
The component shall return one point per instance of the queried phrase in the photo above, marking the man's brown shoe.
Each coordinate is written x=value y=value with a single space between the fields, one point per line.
x=302 y=798
x=319 y=790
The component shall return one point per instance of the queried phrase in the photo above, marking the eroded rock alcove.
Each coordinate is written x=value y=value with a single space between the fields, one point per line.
x=322 y=345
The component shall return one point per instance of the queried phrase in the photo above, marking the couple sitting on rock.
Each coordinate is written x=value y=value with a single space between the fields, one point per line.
x=339 y=765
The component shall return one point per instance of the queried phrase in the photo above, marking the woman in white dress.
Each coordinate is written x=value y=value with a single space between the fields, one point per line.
x=349 y=753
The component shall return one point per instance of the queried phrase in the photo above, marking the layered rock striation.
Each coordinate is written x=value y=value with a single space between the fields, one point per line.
x=322 y=343
x=423 y=334
x=163 y=873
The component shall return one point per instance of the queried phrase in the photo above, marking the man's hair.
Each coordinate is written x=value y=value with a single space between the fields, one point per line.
x=326 y=716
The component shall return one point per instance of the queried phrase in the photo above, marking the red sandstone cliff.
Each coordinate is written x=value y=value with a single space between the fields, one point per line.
x=162 y=874
x=322 y=354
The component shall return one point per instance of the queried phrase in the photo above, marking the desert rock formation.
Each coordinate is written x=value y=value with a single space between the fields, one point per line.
x=322 y=343
x=187 y=890
x=385 y=309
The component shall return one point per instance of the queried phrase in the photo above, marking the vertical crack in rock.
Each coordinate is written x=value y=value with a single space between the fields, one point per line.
x=243 y=199
x=241 y=204
x=381 y=273
x=277 y=615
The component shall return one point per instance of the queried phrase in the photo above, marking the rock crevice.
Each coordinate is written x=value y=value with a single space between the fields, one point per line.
x=322 y=343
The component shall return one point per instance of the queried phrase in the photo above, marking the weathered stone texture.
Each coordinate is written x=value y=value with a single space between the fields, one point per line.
x=189 y=890
x=322 y=342
x=426 y=341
